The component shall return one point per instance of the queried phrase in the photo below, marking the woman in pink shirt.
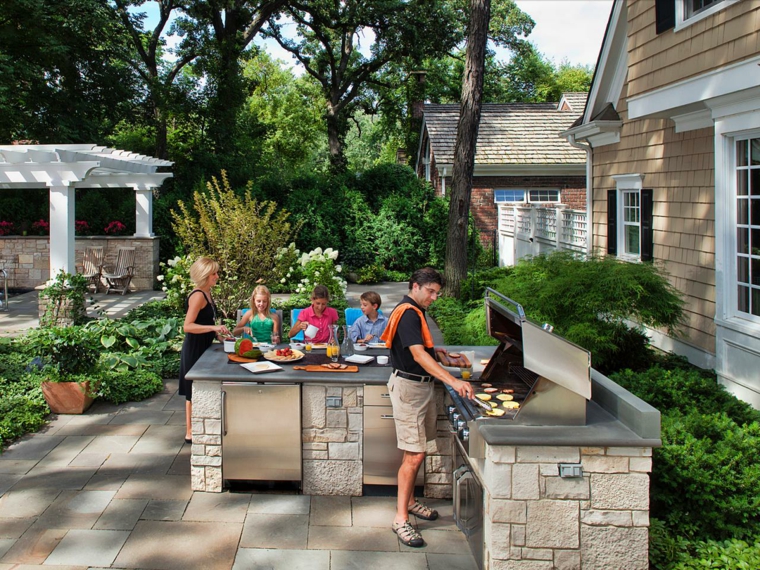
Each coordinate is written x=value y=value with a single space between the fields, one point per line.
x=319 y=315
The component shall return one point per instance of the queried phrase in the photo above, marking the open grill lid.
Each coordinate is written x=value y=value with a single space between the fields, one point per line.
x=557 y=373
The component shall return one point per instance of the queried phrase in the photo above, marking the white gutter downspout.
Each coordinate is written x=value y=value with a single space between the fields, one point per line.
x=443 y=182
x=589 y=188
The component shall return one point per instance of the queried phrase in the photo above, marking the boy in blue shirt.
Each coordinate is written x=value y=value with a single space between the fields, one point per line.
x=371 y=324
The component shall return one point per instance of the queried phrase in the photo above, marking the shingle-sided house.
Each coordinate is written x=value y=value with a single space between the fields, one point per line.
x=673 y=120
x=519 y=158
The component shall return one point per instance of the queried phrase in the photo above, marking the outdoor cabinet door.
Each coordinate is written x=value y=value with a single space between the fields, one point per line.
x=261 y=432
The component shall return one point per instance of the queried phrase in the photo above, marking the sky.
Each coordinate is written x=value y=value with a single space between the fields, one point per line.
x=569 y=30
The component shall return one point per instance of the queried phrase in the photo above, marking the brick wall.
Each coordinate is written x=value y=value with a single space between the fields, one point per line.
x=27 y=258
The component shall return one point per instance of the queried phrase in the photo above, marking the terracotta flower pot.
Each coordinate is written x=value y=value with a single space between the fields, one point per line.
x=67 y=397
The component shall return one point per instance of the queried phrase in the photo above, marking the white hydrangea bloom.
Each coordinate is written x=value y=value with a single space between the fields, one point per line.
x=160 y=277
x=338 y=268
x=333 y=255
x=283 y=280
x=317 y=251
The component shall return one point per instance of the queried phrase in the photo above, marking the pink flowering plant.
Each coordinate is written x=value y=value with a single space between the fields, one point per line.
x=115 y=228
x=6 y=228
x=41 y=227
x=81 y=227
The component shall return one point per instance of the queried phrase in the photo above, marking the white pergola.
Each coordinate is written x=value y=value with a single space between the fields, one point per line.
x=62 y=168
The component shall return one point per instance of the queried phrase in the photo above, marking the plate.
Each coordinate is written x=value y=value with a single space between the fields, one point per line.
x=272 y=355
x=359 y=359
x=319 y=346
x=259 y=367
x=376 y=345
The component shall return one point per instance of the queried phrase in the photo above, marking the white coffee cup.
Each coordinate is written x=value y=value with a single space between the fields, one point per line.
x=311 y=331
x=382 y=360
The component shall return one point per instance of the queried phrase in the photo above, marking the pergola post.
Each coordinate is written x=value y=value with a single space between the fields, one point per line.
x=61 y=229
x=143 y=211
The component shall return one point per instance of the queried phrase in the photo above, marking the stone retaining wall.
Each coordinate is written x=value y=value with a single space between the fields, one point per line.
x=27 y=258
x=536 y=520
x=206 y=451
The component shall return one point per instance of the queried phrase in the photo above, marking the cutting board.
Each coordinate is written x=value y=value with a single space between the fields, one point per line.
x=446 y=359
x=240 y=359
x=319 y=368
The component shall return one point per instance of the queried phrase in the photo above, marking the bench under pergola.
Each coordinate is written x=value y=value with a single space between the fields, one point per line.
x=62 y=168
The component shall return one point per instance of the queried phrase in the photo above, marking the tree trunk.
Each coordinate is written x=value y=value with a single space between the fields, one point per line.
x=464 y=149
x=335 y=138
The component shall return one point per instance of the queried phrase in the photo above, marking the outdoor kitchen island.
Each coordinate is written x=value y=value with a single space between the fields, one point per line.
x=565 y=497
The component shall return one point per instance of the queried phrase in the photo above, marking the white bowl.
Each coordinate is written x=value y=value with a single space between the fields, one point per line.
x=383 y=360
x=265 y=346
x=229 y=345
x=297 y=345
x=360 y=347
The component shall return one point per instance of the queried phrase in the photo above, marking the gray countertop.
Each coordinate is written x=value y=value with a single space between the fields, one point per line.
x=602 y=428
x=215 y=366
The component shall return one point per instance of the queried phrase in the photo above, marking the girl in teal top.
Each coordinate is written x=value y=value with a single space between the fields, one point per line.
x=263 y=324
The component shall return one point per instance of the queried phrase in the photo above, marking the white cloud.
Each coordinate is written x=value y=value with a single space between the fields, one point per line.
x=568 y=29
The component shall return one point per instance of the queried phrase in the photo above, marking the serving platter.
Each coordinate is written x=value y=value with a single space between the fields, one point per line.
x=295 y=357
x=240 y=359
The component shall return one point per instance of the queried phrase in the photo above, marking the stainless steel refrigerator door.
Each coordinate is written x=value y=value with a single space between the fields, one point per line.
x=261 y=432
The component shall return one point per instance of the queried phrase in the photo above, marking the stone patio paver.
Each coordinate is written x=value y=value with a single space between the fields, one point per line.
x=121 y=514
x=344 y=560
x=164 y=510
x=331 y=511
x=258 y=559
x=275 y=531
x=223 y=507
x=352 y=538
x=280 y=504
x=34 y=546
x=88 y=548
x=73 y=509
x=180 y=545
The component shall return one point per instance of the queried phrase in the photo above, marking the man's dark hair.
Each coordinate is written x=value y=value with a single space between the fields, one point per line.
x=426 y=275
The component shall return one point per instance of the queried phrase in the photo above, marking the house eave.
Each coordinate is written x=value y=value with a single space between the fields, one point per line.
x=596 y=133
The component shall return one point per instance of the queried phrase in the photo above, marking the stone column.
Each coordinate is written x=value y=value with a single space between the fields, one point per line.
x=536 y=519
x=206 y=452
x=332 y=440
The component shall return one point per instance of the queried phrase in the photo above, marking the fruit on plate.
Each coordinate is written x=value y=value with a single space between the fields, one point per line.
x=484 y=397
x=505 y=397
x=286 y=352
x=242 y=346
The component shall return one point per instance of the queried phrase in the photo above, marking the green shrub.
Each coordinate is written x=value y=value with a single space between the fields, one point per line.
x=589 y=301
x=685 y=390
x=461 y=324
x=730 y=554
x=70 y=349
x=705 y=478
x=131 y=386
x=370 y=274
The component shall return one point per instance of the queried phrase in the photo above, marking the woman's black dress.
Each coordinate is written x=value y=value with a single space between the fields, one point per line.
x=195 y=344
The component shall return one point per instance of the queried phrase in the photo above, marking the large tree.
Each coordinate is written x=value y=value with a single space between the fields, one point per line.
x=157 y=73
x=464 y=148
x=224 y=30
x=62 y=76
x=328 y=45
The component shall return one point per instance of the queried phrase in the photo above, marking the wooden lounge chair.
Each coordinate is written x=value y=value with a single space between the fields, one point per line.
x=120 y=278
x=92 y=265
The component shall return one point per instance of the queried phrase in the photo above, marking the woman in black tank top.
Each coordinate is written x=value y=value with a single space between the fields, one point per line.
x=200 y=329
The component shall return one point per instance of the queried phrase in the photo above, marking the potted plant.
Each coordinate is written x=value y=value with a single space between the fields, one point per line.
x=69 y=361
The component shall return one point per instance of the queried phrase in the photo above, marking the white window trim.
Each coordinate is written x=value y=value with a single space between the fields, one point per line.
x=682 y=22
x=627 y=183
x=731 y=279
x=426 y=161
x=527 y=192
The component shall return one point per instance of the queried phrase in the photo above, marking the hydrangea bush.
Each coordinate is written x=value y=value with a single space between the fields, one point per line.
x=176 y=280
x=288 y=270
x=319 y=268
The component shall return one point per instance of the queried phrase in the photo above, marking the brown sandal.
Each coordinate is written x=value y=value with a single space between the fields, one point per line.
x=407 y=534
x=423 y=511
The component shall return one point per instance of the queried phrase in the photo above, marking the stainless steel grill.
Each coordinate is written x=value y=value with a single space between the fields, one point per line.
x=548 y=376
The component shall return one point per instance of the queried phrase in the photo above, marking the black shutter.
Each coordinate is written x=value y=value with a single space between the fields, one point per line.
x=666 y=15
x=612 y=222
x=647 y=235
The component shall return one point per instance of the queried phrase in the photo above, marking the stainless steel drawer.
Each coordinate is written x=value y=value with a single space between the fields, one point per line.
x=381 y=456
x=377 y=396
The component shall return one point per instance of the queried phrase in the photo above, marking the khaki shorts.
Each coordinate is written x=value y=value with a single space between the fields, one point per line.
x=413 y=412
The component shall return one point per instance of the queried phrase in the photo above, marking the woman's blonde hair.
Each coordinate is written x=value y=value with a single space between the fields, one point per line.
x=261 y=290
x=202 y=269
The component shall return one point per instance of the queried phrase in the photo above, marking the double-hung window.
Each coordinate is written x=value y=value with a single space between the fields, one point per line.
x=680 y=14
x=629 y=219
x=748 y=226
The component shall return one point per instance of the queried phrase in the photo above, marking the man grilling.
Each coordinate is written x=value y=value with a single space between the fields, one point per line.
x=411 y=392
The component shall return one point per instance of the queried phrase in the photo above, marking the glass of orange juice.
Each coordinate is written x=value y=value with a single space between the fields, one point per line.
x=308 y=347
x=466 y=373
